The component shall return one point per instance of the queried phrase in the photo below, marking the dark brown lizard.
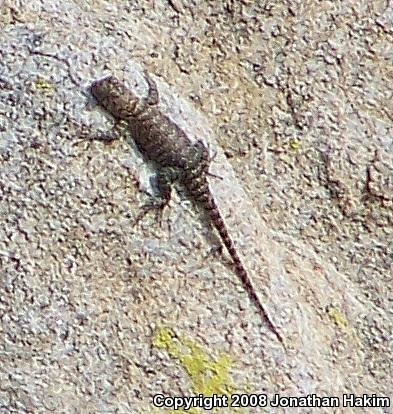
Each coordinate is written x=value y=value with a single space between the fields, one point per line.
x=164 y=143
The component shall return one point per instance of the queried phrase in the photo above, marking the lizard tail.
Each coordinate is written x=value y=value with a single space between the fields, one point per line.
x=217 y=220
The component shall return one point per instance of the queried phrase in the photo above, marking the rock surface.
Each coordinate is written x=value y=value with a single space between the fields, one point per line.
x=99 y=314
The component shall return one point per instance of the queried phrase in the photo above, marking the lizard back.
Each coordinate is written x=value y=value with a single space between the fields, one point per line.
x=158 y=138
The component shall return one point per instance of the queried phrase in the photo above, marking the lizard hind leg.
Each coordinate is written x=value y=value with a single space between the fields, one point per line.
x=165 y=178
x=206 y=158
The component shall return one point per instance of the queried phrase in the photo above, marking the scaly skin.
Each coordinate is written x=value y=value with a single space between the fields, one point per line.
x=163 y=142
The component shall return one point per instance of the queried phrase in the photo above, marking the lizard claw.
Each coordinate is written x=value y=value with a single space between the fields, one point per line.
x=158 y=208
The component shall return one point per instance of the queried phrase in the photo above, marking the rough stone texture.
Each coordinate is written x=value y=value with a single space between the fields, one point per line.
x=301 y=97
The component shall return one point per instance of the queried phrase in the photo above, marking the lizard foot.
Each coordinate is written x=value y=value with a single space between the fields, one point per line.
x=157 y=207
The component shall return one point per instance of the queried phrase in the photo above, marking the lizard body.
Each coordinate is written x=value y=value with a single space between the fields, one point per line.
x=163 y=142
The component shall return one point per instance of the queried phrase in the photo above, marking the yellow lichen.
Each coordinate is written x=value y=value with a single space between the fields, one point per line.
x=342 y=322
x=208 y=375
x=295 y=144
x=338 y=318
x=43 y=85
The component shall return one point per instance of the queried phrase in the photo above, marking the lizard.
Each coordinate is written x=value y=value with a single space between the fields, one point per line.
x=162 y=142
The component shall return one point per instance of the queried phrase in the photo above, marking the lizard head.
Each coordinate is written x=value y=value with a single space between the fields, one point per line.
x=113 y=95
x=101 y=88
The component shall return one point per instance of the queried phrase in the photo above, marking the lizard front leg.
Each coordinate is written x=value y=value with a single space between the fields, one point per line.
x=116 y=132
